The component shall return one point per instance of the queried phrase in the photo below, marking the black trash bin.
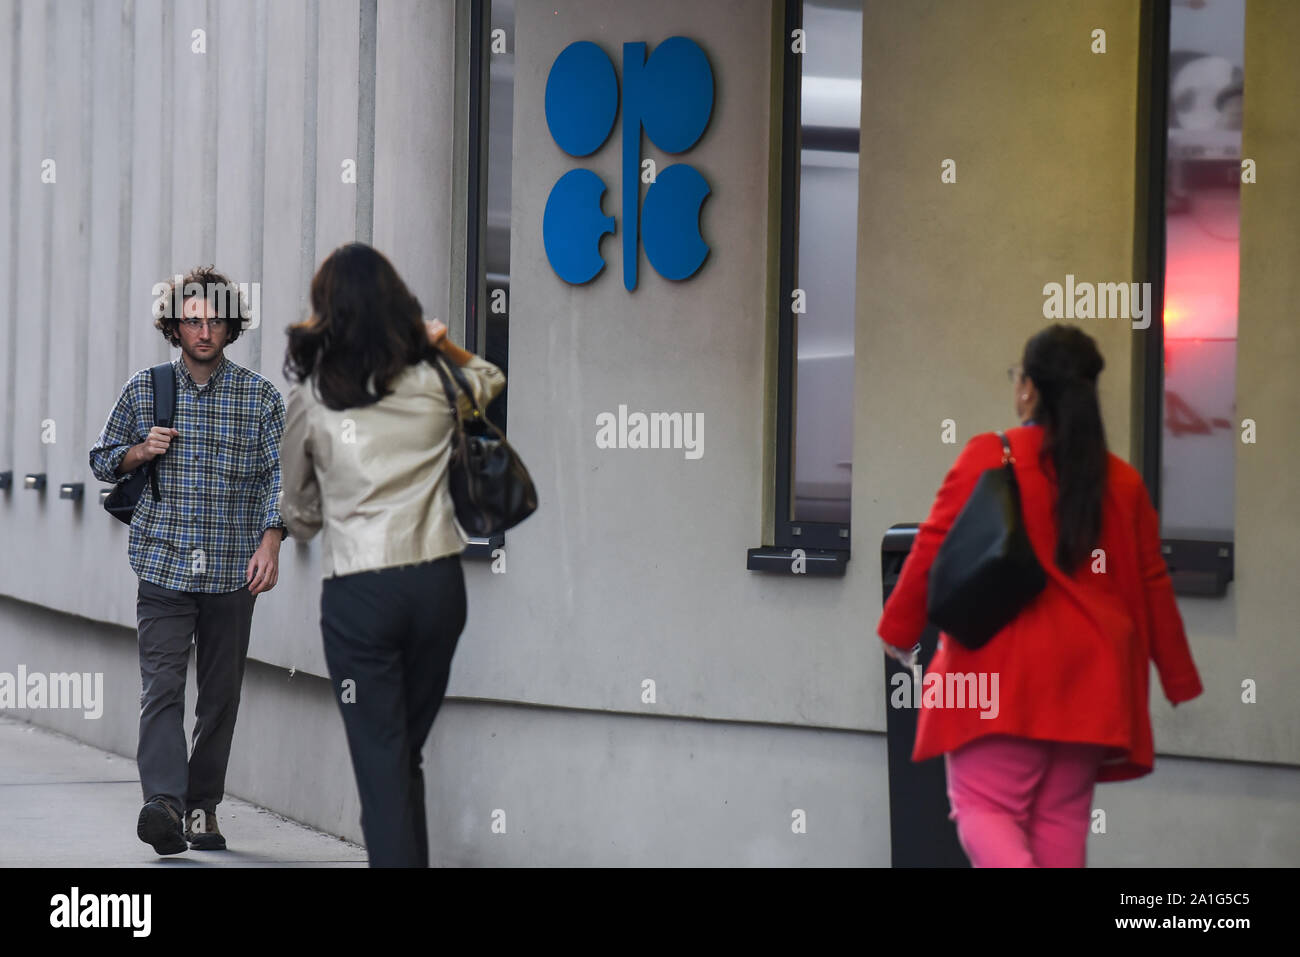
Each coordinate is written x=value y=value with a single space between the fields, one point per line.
x=920 y=834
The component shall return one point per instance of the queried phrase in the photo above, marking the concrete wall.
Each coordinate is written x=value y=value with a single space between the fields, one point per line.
x=768 y=689
x=590 y=788
x=137 y=135
x=1263 y=647
x=951 y=279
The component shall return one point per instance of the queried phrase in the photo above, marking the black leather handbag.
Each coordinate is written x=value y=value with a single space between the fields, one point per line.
x=121 y=502
x=490 y=488
x=985 y=571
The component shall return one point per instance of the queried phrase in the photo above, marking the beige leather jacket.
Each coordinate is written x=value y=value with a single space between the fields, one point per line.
x=375 y=477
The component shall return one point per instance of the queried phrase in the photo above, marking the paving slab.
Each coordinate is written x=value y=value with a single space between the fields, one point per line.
x=64 y=803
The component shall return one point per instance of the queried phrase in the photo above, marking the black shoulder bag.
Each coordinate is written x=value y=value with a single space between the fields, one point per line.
x=985 y=571
x=490 y=488
x=122 y=500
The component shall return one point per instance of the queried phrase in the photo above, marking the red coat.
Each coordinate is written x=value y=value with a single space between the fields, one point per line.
x=1073 y=665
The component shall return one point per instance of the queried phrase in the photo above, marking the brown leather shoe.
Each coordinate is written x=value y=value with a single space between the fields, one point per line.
x=159 y=826
x=202 y=832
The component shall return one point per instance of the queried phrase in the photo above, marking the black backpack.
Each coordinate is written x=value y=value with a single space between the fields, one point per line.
x=121 y=502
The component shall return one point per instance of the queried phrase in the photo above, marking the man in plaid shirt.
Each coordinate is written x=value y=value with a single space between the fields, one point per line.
x=202 y=554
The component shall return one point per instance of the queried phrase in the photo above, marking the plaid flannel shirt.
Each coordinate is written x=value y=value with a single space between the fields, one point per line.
x=219 y=481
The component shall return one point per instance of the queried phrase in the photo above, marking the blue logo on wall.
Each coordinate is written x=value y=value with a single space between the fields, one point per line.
x=670 y=96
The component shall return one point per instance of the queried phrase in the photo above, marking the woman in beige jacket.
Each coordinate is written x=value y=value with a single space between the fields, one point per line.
x=367 y=442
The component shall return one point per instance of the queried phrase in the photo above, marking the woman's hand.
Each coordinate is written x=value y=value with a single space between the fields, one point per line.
x=905 y=658
x=438 y=339
x=437 y=332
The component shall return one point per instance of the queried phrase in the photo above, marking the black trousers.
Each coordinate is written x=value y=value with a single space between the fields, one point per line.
x=219 y=626
x=389 y=638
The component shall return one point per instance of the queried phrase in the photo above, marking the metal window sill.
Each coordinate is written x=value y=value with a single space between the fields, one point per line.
x=481 y=549
x=781 y=560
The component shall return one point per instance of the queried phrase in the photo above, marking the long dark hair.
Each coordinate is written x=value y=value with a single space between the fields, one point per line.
x=1063 y=362
x=365 y=329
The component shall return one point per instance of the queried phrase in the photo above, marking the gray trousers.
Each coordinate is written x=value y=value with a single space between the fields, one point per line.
x=219 y=625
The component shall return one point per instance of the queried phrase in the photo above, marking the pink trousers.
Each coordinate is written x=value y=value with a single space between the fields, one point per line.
x=1022 y=803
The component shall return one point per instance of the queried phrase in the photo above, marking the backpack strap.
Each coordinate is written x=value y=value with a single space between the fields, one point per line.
x=164 y=408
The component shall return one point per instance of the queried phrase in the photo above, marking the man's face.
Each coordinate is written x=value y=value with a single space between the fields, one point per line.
x=203 y=342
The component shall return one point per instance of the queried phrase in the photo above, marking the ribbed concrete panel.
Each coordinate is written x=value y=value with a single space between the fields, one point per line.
x=413 y=161
x=338 y=90
x=27 y=510
x=236 y=62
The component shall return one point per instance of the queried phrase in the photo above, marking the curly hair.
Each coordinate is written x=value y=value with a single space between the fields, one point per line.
x=222 y=295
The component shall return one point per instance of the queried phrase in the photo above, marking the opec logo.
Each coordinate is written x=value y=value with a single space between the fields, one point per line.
x=670 y=97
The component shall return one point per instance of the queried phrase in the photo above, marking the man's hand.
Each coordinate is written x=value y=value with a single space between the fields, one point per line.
x=156 y=443
x=264 y=567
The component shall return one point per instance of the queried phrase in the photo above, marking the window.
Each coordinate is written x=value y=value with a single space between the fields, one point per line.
x=1200 y=226
x=819 y=223
x=487 y=260
x=496 y=232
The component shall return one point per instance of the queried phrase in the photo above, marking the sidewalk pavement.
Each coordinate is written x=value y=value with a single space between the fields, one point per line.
x=67 y=804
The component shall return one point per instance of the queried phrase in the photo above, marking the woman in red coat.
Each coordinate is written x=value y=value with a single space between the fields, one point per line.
x=1063 y=700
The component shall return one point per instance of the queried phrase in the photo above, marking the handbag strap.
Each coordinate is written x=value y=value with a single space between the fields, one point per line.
x=461 y=381
x=1007 y=458
x=438 y=359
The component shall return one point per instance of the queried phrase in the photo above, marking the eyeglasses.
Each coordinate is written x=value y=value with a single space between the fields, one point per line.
x=1014 y=373
x=215 y=324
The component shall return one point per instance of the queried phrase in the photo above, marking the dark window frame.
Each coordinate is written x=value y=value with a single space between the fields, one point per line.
x=476 y=193
x=1201 y=567
x=478 y=95
x=826 y=545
